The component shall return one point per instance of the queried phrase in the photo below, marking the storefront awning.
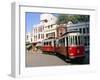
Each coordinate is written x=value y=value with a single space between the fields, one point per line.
x=38 y=44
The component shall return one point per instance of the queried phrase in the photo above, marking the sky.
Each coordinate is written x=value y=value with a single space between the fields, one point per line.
x=32 y=19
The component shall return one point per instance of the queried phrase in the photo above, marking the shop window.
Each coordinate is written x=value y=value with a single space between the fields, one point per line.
x=27 y=36
x=51 y=26
x=31 y=39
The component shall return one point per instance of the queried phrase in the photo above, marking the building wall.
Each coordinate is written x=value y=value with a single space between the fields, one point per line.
x=28 y=37
x=50 y=31
x=61 y=29
x=46 y=26
x=49 y=22
x=48 y=19
x=38 y=33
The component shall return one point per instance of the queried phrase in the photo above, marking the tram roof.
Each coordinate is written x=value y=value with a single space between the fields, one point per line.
x=49 y=39
x=70 y=32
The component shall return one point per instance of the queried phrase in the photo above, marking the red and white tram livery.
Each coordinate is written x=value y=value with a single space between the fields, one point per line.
x=48 y=45
x=70 y=45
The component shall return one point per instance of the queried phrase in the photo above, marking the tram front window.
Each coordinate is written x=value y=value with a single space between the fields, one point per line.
x=76 y=40
x=79 y=40
x=73 y=40
x=68 y=40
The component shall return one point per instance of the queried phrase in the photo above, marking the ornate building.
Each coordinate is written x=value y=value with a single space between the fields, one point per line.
x=49 y=22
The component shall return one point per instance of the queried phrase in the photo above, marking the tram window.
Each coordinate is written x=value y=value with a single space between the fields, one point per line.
x=67 y=40
x=54 y=43
x=63 y=41
x=73 y=39
x=44 y=43
x=76 y=40
x=70 y=40
x=79 y=40
x=49 y=43
x=59 y=42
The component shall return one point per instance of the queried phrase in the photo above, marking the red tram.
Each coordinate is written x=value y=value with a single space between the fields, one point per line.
x=49 y=45
x=69 y=45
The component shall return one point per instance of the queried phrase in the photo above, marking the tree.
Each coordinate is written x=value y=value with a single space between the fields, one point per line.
x=65 y=18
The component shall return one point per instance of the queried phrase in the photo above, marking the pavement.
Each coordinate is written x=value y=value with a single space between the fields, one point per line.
x=37 y=59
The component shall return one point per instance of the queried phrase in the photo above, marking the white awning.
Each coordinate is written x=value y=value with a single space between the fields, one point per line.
x=39 y=44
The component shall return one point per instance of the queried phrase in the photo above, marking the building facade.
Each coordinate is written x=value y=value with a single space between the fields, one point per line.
x=28 y=37
x=45 y=29
x=61 y=29
x=38 y=33
x=49 y=22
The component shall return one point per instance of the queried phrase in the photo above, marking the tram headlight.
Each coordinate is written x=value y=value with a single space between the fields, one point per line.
x=71 y=54
x=78 y=51
x=70 y=48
